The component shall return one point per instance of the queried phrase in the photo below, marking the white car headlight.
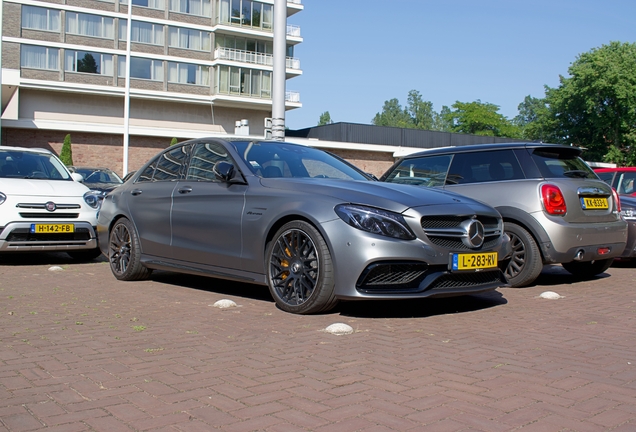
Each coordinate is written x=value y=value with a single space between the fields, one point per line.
x=375 y=221
x=94 y=198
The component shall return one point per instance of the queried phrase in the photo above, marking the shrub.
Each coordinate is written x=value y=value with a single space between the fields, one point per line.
x=66 y=155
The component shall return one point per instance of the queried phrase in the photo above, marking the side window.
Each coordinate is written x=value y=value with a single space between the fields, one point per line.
x=498 y=165
x=606 y=177
x=204 y=157
x=425 y=171
x=626 y=183
x=167 y=166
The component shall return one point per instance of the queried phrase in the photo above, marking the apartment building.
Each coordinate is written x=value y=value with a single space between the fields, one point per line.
x=196 y=68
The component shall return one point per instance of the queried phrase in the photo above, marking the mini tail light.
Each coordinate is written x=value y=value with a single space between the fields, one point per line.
x=617 y=200
x=553 y=200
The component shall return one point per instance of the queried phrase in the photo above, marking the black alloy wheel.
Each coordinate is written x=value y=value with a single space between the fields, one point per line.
x=124 y=253
x=586 y=269
x=299 y=270
x=525 y=263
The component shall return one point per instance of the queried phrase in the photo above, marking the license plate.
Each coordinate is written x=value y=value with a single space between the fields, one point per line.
x=52 y=228
x=594 y=203
x=474 y=261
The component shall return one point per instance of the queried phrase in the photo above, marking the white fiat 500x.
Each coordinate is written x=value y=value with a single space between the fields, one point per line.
x=43 y=207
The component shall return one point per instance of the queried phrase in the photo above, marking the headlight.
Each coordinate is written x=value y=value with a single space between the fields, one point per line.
x=3 y=198
x=94 y=198
x=628 y=213
x=375 y=221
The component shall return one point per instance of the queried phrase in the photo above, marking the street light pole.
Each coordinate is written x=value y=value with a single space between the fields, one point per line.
x=278 y=78
x=127 y=90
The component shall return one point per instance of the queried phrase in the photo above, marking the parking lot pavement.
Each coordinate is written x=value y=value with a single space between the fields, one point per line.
x=82 y=351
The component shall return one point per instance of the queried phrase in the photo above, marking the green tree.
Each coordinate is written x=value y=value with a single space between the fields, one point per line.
x=480 y=118
x=325 y=119
x=421 y=112
x=595 y=107
x=533 y=119
x=173 y=141
x=392 y=115
x=66 y=155
x=87 y=64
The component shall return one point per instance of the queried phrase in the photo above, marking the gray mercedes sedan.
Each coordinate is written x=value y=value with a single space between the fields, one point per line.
x=307 y=224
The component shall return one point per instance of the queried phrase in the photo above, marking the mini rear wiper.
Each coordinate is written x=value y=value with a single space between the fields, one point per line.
x=576 y=173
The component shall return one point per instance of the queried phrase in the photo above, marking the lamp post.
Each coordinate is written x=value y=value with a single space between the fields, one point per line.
x=278 y=78
x=127 y=90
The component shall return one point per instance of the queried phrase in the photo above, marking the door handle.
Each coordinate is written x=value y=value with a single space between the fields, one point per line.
x=136 y=192
x=185 y=190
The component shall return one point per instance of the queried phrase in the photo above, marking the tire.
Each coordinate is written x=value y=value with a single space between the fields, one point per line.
x=84 y=255
x=525 y=263
x=588 y=268
x=124 y=252
x=299 y=270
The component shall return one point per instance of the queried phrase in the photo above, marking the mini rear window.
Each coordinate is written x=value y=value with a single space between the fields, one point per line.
x=562 y=164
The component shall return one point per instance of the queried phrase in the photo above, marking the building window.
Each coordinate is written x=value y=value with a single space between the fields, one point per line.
x=88 y=62
x=38 y=57
x=192 y=7
x=152 y=4
x=245 y=82
x=141 y=68
x=243 y=44
x=184 y=73
x=89 y=25
x=142 y=32
x=180 y=37
x=38 y=18
x=246 y=13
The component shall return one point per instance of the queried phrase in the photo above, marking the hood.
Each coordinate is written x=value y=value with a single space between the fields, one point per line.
x=390 y=196
x=43 y=188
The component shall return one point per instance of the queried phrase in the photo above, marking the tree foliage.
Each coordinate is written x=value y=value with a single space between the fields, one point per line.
x=173 y=141
x=595 y=107
x=325 y=119
x=66 y=154
x=481 y=118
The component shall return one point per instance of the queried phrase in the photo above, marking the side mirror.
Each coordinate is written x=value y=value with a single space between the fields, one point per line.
x=223 y=171
x=77 y=177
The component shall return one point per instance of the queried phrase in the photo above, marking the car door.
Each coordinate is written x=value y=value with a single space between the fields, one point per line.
x=207 y=213
x=151 y=200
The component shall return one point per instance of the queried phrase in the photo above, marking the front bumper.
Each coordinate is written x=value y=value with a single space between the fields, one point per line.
x=16 y=237
x=374 y=267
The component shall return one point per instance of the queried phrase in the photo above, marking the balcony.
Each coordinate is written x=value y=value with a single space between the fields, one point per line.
x=293 y=30
x=252 y=57
x=291 y=96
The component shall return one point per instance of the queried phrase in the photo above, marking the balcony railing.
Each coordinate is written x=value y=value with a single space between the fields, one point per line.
x=293 y=30
x=294 y=1
x=291 y=96
x=253 y=57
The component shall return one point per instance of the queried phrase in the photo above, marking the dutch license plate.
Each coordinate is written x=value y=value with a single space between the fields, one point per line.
x=52 y=228
x=594 y=203
x=474 y=261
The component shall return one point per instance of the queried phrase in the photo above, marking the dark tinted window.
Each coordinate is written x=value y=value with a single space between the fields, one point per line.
x=477 y=167
x=561 y=164
x=204 y=157
x=606 y=177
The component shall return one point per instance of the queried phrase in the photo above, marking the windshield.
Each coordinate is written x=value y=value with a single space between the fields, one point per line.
x=92 y=175
x=269 y=159
x=43 y=166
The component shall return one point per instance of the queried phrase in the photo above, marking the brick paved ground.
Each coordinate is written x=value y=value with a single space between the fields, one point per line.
x=81 y=351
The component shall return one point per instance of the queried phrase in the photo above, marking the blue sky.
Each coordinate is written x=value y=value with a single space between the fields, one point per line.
x=358 y=54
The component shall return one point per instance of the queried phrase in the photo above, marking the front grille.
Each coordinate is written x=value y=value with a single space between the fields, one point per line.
x=25 y=235
x=43 y=206
x=445 y=231
x=49 y=215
